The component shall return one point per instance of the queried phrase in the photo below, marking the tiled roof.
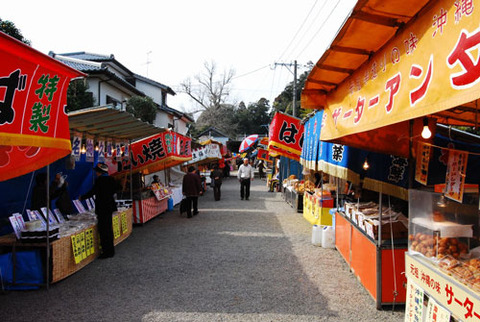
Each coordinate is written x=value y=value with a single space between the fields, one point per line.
x=155 y=83
x=89 y=56
x=80 y=65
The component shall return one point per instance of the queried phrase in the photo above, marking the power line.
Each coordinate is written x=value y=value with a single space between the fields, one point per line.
x=309 y=27
x=251 y=72
x=301 y=26
x=321 y=27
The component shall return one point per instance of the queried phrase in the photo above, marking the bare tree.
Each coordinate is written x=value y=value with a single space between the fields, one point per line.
x=209 y=89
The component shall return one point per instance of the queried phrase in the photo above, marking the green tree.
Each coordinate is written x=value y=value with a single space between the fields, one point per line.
x=143 y=108
x=78 y=96
x=10 y=29
x=253 y=119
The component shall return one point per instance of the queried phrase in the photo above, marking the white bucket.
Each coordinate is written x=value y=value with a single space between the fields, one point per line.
x=317 y=235
x=328 y=237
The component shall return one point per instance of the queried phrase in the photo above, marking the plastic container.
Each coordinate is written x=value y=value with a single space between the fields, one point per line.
x=170 y=204
x=328 y=237
x=317 y=235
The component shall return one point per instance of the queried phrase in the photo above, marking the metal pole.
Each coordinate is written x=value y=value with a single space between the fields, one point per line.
x=131 y=169
x=48 y=228
x=294 y=110
x=379 y=255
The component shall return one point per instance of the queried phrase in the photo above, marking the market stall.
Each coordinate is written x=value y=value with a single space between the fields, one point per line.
x=285 y=140
x=204 y=157
x=384 y=94
x=33 y=124
x=149 y=155
x=343 y=183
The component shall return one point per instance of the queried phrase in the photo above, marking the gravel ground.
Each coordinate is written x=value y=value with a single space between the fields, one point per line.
x=236 y=261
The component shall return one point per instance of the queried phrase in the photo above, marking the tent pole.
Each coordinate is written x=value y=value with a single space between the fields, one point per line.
x=131 y=169
x=47 y=273
x=379 y=254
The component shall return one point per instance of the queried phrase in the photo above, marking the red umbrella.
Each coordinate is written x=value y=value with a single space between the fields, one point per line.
x=248 y=142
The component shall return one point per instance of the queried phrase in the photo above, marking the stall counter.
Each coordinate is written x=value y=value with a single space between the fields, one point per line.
x=71 y=253
x=373 y=266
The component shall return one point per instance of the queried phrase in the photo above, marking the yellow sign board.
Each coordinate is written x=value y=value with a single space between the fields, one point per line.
x=430 y=66
x=456 y=298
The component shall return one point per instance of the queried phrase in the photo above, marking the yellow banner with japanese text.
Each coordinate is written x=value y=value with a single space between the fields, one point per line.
x=430 y=66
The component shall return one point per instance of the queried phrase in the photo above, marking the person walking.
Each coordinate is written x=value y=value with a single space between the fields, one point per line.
x=104 y=189
x=260 y=167
x=245 y=175
x=216 y=176
x=191 y=189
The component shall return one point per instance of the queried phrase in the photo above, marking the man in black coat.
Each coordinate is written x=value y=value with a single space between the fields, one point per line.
x=216 y=176
x=191 y=188
x=104 y=189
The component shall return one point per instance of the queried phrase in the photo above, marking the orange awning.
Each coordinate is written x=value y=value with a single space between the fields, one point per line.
x=394 y=61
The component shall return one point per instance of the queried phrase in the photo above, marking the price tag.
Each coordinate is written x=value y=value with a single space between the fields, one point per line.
x=116 y=227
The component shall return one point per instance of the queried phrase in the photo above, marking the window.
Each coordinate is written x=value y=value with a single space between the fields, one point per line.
x=113 y=101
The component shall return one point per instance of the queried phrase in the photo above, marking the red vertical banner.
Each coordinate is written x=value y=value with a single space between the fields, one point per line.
x=456 y=172
x=263 y=155
x=286 y=136
x=424 y=151
x=34 y=127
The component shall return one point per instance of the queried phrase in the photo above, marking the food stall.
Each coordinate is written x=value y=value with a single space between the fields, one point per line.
x=34 y=129
x=285 y=139
x=204 y=156
x=384 y=94
x=149 y=155
x=356 y=219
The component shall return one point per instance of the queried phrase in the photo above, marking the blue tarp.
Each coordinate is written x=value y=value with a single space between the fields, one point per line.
x=16 y=192
x=28 y=270
x=289 y=167
x=438 y=162
x=386 y=173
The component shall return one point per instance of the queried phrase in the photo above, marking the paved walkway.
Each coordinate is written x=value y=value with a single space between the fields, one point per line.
x=236 y=261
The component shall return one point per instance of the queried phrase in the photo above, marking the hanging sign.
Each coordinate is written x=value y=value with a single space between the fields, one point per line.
x=34 y=127
x=428 y=67
x=155 y=153
x=263 y=155
x=436 y=313
x=456 y=172
x=101 y=150
x=423 y=158
x=286 y=136
x=109 y=149
x=77 y=146
x=89 y=154
x=414 y=302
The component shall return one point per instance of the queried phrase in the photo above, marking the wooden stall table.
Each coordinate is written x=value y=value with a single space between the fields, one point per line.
x=71 y=253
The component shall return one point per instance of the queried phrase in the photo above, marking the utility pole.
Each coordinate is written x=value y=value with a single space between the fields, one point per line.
x=294 y=101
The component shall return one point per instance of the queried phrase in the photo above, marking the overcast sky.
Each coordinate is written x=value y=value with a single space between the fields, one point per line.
x=176 y=37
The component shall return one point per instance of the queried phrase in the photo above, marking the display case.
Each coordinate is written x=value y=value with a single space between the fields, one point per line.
x=440 y=228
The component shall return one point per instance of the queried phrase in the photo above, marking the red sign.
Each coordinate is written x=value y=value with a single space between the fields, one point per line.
x=286 y=136
x=263 y=155
x=34 y=128
x=157 y=152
